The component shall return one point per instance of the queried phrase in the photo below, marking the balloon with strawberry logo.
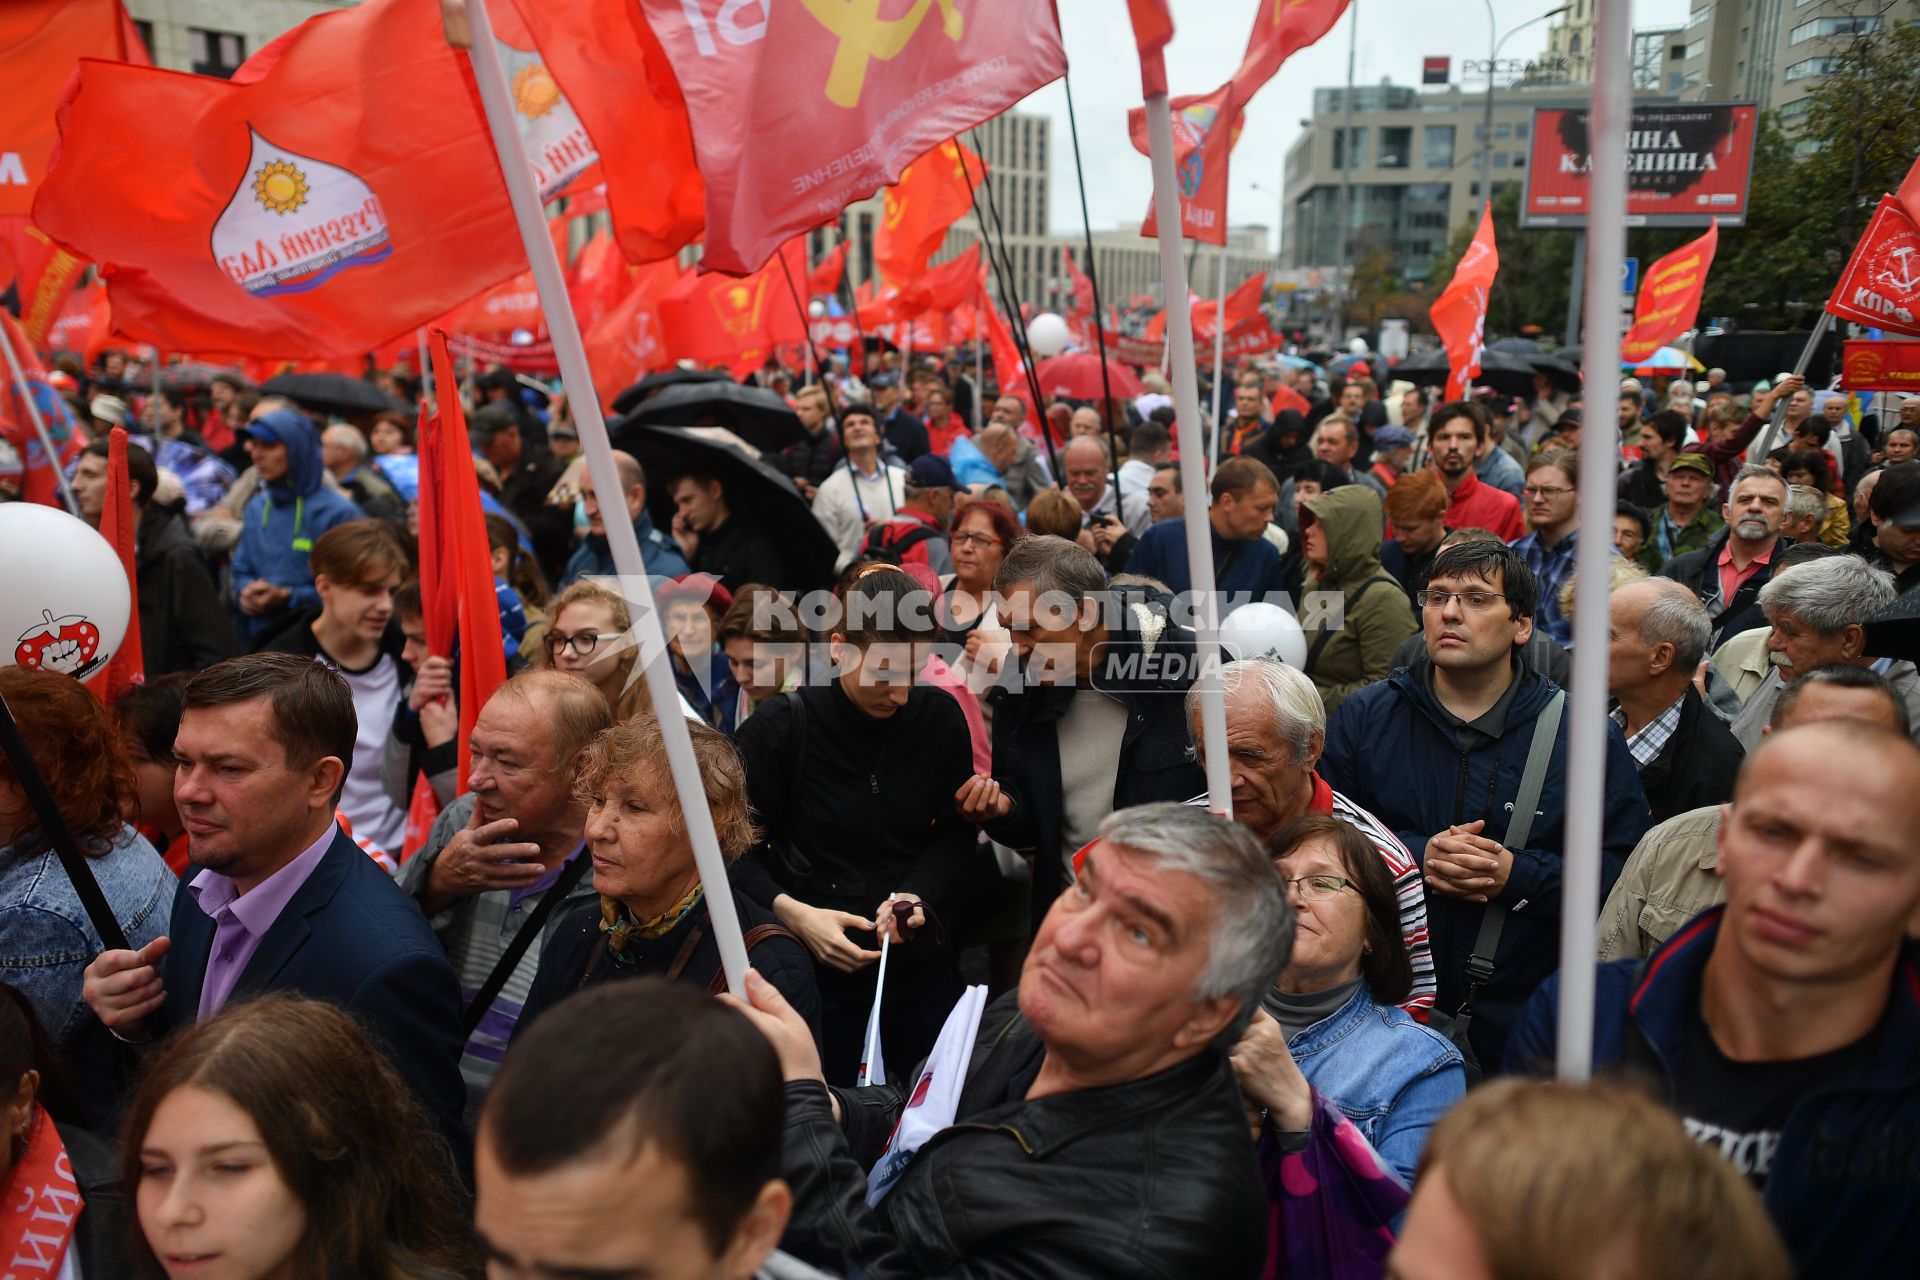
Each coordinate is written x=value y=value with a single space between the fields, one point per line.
x=64 y=601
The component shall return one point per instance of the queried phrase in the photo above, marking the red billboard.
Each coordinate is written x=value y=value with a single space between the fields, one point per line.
x=1687 y=164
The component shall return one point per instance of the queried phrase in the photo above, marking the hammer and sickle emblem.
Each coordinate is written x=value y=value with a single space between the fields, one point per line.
x=864 y=35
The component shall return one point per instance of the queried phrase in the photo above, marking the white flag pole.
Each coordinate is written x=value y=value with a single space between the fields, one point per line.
x=39 y=424
x=872 y=1047
x=574 y=374
x=1219 y=350
x=1193 y=455
x=1587 y=704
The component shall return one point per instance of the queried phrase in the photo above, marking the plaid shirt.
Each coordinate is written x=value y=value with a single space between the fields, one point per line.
x=1645 y=746
x=1553 y=566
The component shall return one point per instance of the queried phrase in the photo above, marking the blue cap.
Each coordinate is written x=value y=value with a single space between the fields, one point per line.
x=931 y=471
x=883 y=380
x=1392 y=438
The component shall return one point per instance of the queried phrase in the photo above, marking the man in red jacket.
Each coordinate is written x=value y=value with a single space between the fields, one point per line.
x=1454 y=436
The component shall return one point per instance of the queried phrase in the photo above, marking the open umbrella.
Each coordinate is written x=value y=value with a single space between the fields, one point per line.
x=761 y=417
x=1525 y=347
x=332 y=393
x=194 y=375
x=1894 y=632
x=1669 y=361
x=758 y=495
x=1504 y=372
x=1077 y=377
x=630 y=399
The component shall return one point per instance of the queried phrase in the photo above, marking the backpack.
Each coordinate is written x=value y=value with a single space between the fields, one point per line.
x=890 y=540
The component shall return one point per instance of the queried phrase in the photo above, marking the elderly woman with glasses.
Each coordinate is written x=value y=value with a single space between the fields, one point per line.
x=1329 y=1025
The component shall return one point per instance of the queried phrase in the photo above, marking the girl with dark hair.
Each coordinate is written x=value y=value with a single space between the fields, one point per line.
x=1329 y=1025
x=276 y=1141
x=1813 y=468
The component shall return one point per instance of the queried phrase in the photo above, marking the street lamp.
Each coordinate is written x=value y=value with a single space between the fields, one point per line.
x=1493 y=57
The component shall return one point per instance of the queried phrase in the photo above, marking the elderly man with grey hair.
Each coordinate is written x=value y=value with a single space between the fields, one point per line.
x=1276 y=729
x=1818 y=613
x=1686 y=756
x=1099 y=1130
x=344 y=452
x=1806 y=508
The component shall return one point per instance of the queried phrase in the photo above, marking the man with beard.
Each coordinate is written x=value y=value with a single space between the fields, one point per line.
x=1454 y=438
x=1729 y=571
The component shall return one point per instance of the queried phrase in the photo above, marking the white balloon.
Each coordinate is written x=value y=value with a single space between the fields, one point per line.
x=1262 y=630
x=1047 y=334
x=1358 y=346
x=816 y=308
x=64 y=601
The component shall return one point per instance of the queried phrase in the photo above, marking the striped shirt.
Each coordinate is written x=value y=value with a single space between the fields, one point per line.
x=476 y=932
x=1407 y=886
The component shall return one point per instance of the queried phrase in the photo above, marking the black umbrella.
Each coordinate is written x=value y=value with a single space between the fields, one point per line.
x=756 y=494
x=1894 y=632
x=1505 y=373
x=332 y=393
x=760 y=417
x=1565 y=373
x=630 y=399
x=194 y=375
x=1517 y=347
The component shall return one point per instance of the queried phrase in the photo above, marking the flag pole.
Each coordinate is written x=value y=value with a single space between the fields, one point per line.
x=1193 y=473
x=39 y=423
x=571 y=354
x=1219 y=347
x=425 y=369
x=1587 y=704
x=1764 y=445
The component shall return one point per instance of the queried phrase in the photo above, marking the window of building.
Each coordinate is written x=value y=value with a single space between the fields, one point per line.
x=1436 y=146
x=1501 y=159
x=1697 y=48
x=1520 y=130
x=1795 y=109
x=1678 y=52
x=1480 y=133
x=1808 y=67
x=1825 y=28
x=1473 y=189
x=1396 y=148
x=1808 y=146
x=145 y=30
x=1357 y=138
x=1693 y=80
x=1503 y=130
x=1743 y=34
x=1698 y=18
x=216 y=53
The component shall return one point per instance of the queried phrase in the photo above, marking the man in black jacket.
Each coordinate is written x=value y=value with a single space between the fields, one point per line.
x=1686 y=756
x=1091 y=720
x=1098 y=1130
x=1728 y=573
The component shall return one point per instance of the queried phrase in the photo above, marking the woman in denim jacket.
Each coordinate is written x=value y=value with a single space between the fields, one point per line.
x=46 y=939
x=1329 y=1027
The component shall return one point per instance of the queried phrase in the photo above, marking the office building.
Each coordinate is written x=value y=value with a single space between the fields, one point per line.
x=1774 y=52
x=213 y=37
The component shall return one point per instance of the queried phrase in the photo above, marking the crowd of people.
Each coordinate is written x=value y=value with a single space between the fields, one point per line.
x=402 y=1000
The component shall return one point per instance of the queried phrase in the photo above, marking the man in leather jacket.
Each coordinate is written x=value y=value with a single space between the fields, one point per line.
x=1099 y=1131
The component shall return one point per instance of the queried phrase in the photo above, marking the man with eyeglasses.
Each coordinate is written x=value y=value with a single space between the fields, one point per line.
x=1437 y=750
x=495 y=853
x=1553 y=512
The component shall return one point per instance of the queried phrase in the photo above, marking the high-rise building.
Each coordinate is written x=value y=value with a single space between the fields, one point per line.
x=1774 y=52
x=213 y=37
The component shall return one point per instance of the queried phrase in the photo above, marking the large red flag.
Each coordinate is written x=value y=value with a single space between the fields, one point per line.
x=1081 y=308
x=946 y=286
x=41 y=41
x=1008 y=369
x=1460 y=313
x=1242 y=309
x=339 y=190
x=600 y=278
x=38 y=480
x=626 y=341
x=128 y=665
x=43 y=275
x=832 y=269
x=1670 y=297
x=800 y=109
x=1881 y=285
x=1205 y=127
x=621 y=89
x=712 y=318
x=1281 y=28
x=933 y=194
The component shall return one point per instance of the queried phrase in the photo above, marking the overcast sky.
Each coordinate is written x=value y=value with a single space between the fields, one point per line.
x=1209 y=37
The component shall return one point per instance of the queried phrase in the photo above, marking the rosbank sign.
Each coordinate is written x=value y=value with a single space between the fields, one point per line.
x=1688 y=164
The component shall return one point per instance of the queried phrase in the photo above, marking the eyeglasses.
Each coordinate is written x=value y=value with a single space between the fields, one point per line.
x=1318 y=888
x=1543 y=491
x=1475 y=601
x=582 y=644
x=975 y=540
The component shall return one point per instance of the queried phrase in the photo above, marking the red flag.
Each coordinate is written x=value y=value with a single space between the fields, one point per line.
x=1008 y=370
x=1460 y=313
x=339 y=190
x=626 y=341
x=826 y=277
x=127 y=667
x=460 y=562
x=604 y=68
x=600 y=278
x=711 y=318
x=946 y=286
x=1881 y=285
x=1205 y=127
x=1670 y=297
x=1242 y=309
x=800 y=109
x=43 y=274
x=933 y=194
x=1152 y=30
x=41 y=41
x=38 y=481
x=1281 y=28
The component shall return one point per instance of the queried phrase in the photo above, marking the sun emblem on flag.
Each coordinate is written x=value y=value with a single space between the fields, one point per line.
x=280 y=187
x=534 y=92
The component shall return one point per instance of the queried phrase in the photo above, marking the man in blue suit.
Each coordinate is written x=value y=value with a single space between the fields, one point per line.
x=282 y=899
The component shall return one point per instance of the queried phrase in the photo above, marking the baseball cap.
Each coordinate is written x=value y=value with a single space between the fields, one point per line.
x=109 y=409
x=881 y=381
x=931 y=471
x=1692 y=462
x=1392 y=438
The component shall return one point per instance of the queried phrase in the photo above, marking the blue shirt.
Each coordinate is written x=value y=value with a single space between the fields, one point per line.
x=1247 y=570
x=1553 y=566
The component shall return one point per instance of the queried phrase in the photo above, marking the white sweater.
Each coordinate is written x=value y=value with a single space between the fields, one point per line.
x=845 y=513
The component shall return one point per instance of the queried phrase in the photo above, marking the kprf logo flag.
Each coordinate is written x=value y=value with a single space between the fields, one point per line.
x=933 y=194
x=338 y=191
x=41 y=42
x=1460 y=313
x=1670 y=297
x=800 y=108
x=1881 y=285
x=1205 y=127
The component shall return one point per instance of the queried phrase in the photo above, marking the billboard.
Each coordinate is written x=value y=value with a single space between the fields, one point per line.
x=1687 y=165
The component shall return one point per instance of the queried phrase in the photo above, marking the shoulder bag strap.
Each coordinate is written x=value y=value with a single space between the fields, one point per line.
x=1533 y=778
x=755 y=936
x=1326 y=633
x=510 y=958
